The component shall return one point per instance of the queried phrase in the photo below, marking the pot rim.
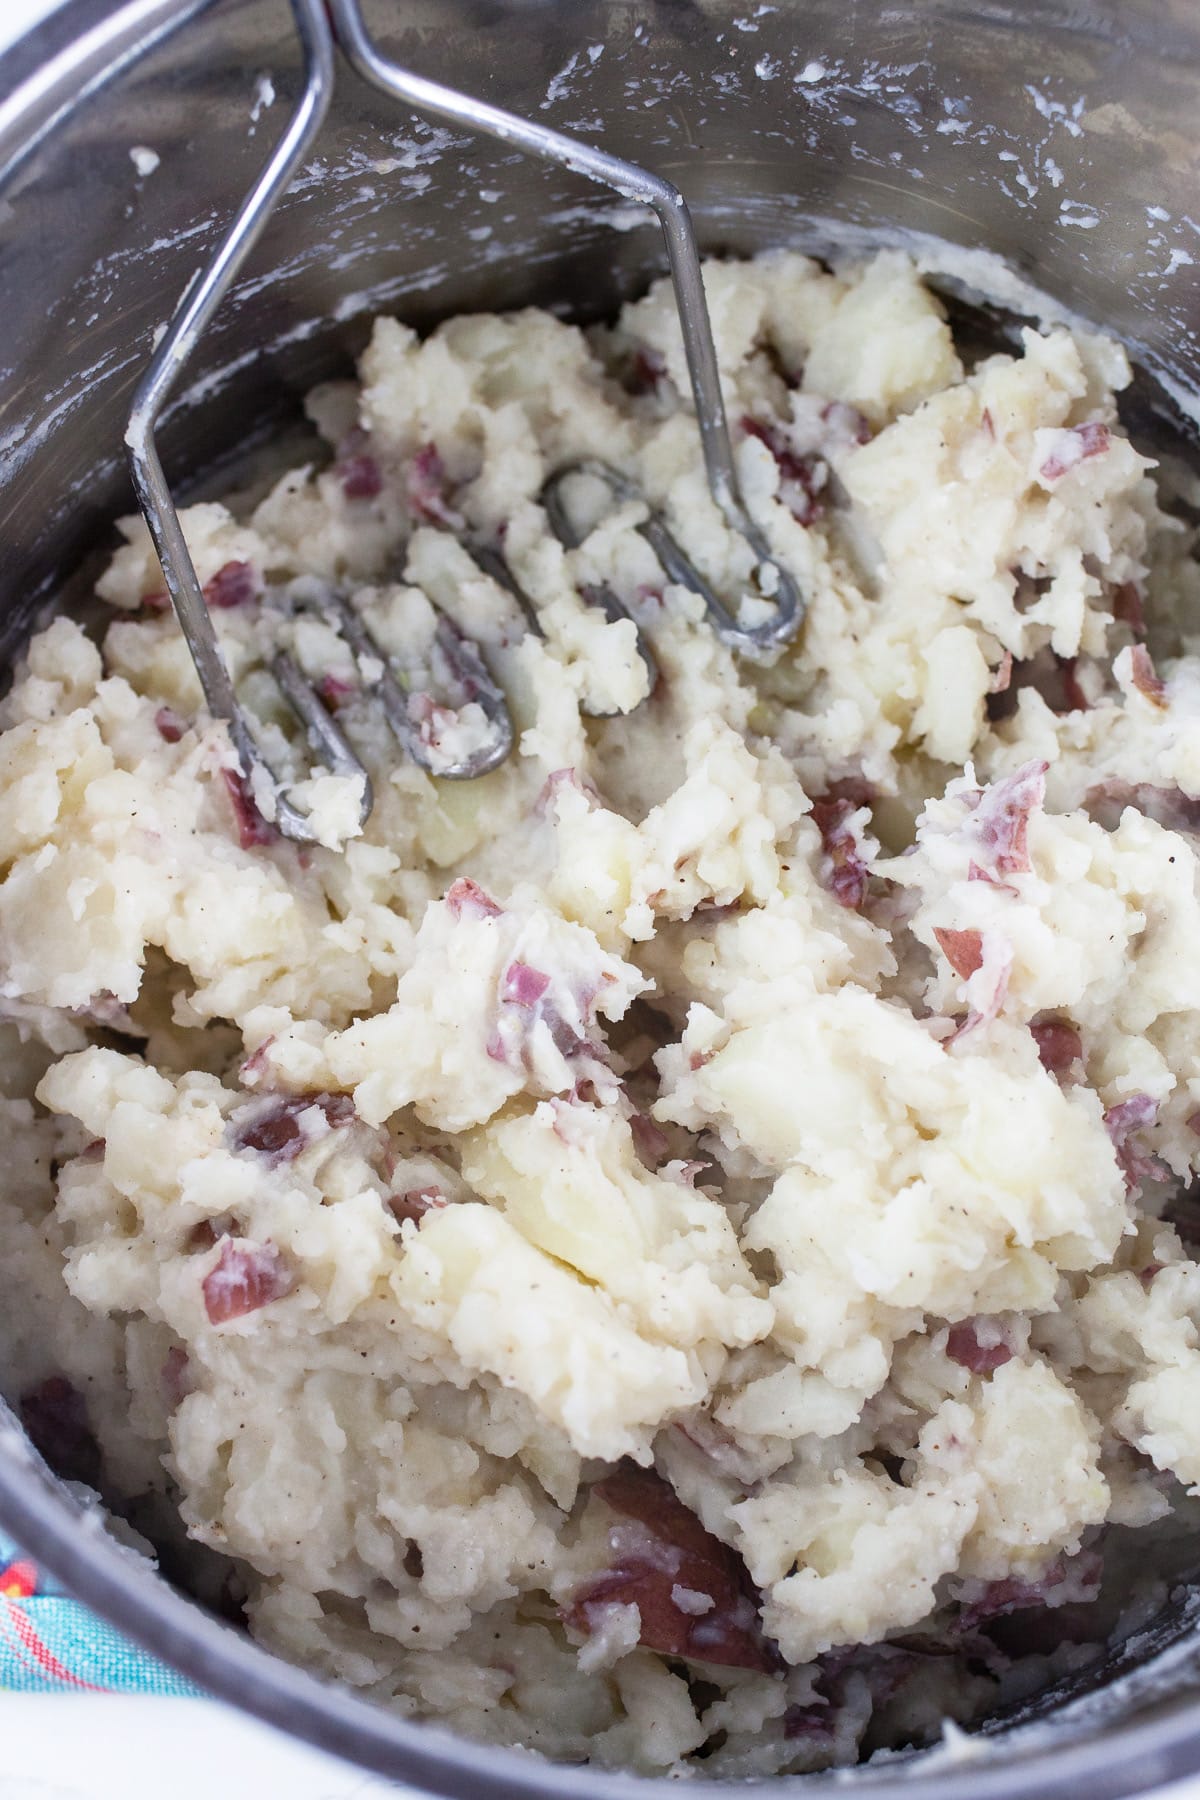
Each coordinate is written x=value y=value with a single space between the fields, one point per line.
x=45 y=76
x=125 y=1590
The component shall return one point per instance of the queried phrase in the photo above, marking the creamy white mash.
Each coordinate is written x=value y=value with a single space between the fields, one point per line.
x=656 y=1254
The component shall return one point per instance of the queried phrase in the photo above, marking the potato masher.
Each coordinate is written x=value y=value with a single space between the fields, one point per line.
x=319 y=25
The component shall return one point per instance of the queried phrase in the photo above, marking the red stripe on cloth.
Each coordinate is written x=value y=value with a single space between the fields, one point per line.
x=42 y=1655
x=12 y=1640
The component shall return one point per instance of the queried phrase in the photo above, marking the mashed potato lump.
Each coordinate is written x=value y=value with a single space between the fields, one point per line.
x=670 y=1253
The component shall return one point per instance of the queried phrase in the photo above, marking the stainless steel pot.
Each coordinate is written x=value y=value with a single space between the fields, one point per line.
x=1063 y=135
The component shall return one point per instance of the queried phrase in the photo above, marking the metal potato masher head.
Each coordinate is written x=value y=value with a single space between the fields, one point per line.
x=320 y=24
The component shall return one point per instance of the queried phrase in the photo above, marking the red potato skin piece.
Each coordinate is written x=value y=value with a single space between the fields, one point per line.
x=963 y=1347
x=855 y=788
x=360 y=476
x=1127 y=607
x=1001 y=816
x=847 y=874
x=174 y=1376
x=523 y=985
x=644 y=373
x=650 y=1140
x=1123 y=1122
x=523 y=994
x=1002 y=674
x=1169 y=807
x=847 y=420
x=963 y=950
x=234 y=584
x=556 y=781
x=428 y=489
x=1059 y=1046
x=432 y=721
x=799 y=486
x=730 y=1635
x=1010 y=1594
x=415 y=1203
x=245 y=1278
x=169 y=725
x=1093 y=440
x=466 y=896
x=975 y=873
x=1145 y=678
x=253 y=830
x=357 y=467
x=1073 y=694
x=276 y=1131
x=809 y=1721
x=334 y=691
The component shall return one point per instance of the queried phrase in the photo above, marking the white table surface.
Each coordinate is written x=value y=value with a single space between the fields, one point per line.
x=123 y=1747
x=17 y=16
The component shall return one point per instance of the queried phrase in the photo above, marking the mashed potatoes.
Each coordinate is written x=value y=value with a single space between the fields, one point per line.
x=656 y=1253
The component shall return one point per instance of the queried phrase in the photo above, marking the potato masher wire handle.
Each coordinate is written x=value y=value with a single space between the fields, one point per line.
x=668 y=204
x=200 y=301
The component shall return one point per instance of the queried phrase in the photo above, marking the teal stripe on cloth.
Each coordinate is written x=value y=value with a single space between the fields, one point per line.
x=49 y=1643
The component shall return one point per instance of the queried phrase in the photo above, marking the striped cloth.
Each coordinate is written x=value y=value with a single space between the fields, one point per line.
x=50 y=1643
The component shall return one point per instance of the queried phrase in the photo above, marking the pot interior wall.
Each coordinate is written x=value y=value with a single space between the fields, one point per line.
x=1058 y=140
